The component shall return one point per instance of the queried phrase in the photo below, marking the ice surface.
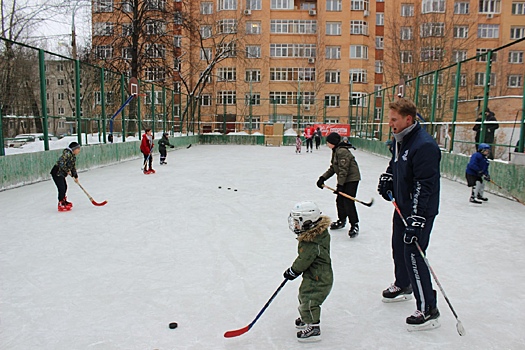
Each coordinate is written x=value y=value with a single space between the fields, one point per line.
x=173 y=247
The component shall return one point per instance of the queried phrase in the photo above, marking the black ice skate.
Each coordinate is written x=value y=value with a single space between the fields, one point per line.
x=481 y=198
x=394 y=294
x=336 y=225
x=299 y=324
x=311 y=333
x=474 y=200
x=354 y=230
x=421 y=321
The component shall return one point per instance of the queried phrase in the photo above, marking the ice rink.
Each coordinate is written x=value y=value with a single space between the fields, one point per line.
x=173 y=247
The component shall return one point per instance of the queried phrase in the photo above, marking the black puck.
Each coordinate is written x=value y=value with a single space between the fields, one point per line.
x=229 y=188
x=173 y=325
x=235 y=190
x=220 y=187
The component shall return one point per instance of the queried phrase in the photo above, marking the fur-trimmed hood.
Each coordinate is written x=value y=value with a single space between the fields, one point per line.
x=310 y=235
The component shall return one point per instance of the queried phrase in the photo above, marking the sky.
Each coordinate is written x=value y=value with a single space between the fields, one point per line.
x=173 y=247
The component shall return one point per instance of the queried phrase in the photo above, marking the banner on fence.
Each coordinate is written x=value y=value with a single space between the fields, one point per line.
x=341 y=129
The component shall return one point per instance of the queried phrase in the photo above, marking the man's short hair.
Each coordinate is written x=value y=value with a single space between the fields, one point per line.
x=147 y=130
x=404 y=107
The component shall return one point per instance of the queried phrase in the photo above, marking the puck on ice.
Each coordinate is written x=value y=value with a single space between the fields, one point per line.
x=220 y=187
x=235 y=190
x=173 y=325
x=229 y=188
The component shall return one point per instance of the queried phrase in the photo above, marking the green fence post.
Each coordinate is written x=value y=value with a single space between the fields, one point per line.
x=152 y=109
x=77 y=102
x=43 y=97
x=521 y=143
x=2 y=150
x=139 y=112
x=350 y=105
x=434 y=100
x=382 y=115
x=103 y=104
x=455 y=109
x=123 y=112
x=163 y=109
x=486 y=91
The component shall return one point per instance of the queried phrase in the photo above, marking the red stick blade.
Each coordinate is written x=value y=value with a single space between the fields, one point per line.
x=99 y=204
x=236 y=333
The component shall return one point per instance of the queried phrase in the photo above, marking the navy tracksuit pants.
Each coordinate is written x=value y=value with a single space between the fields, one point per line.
x=409 y=265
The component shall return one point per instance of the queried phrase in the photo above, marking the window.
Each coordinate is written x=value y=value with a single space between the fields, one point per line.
x=431 y=54
x=486 y=31
x=358 y=76
x=517 y=32
x=255 y=99
x=227 y=49
x=292 y=74
x=207 y=79
x=334 y=5
x=489 y=6
x=127 y=6
x=206 y=8
x=227 y=26
x=518 y=8
x=514 y=81
x=432 y=29
x=378 y=89
x=516 y=57
x=333 y=28
x=61 y=111
x=177 y=40
x=433 y=6
x=479 y=79
x=227 y=97
x=176 y=64
x=155 y=51
x=223 y=5
x=462 y=79
x=292 y=50
x=127 y=53
x=206 y=32
x=484 y=58
x=154 y=27
x=103 y=5
x=206 y=100
x=430 y=78
x=281 y=4
x=253 y=75
x=254 y=4
x=359 y=99
x=253 y=27
x=226 y=74
x=380 y=42
x=461 y=32
x=406 y=57
x=459 y=55
x=127 y=29
x=358 y=5
x=104 y=52
x=280 y=26
x=103 y=28
x=206 y=53
x=155 y=5
x=461 y=8
x=177 y=18
x=253 y=51
x=333 y=52
x=157 y=95
x=359 y=27
x=406 y=33
x=155 y=73
x=60 y=96
x=380 y=19
x=331 y=100
x=378 y=67
x=332 y=76
x=407 y=10
x=359 y=51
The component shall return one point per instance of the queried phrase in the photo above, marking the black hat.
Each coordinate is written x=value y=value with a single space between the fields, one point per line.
x=333 y=138
x=73 y=146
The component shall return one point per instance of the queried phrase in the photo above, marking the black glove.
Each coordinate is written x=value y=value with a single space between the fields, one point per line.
x=339 y=188
x=172 y=146
x=290 y=274
x=386 y=183
x=415 y=225
x=320 y=182
x=486 y=177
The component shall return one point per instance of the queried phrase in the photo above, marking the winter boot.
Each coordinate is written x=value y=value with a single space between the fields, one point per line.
x=336 y=225
x=311 y=333
x=394 y=293
x=151 y=171
x=354 y=230
x=62 y=206
x=68 y=204
x=299 y=324
x=421 y=321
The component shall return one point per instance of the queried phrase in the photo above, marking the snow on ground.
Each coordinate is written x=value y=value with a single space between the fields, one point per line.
x=173 y=247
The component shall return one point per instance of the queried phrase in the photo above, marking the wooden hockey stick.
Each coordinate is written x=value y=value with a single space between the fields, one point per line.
x=369 y=204
x=91 y=198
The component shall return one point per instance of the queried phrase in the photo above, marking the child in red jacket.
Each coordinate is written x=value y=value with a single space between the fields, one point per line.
x=146 y=147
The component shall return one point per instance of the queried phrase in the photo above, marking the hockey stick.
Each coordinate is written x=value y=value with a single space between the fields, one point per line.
x=145 y=162
x=189 y=146
x=91 y=198
x=241 y=331
x=369 y=204
x=501 y=188
x=459 y=325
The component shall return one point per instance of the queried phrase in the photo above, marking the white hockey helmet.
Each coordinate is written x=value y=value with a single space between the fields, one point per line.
x=303 y=216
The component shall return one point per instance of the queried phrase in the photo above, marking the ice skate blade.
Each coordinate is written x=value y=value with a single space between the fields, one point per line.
x=309 y=339
x=431 y=324
x=402 y=297
x=300 y=327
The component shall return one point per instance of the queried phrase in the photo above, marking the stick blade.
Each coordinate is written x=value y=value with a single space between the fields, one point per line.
x=99 y=204
x=189 y=146
x=460 y=328
x=369 y=204
x=236 y=333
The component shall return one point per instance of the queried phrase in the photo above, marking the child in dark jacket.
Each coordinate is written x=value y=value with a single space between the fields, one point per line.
x=314 y=263
x=163 y=142
x=65 y=166
x=477 y=170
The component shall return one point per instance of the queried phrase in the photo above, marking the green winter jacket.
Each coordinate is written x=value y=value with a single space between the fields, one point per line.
x=344 y=165
x=314 y=262
x=66 y=164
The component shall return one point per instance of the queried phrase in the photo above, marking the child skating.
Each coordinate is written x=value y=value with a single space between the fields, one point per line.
x=477 y=170
x=146 y=147
x=298 y=144
x=163 y=142
x=314 y=263
x=65 y=165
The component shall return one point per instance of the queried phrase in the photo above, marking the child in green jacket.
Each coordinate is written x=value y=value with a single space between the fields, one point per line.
x=314 y=263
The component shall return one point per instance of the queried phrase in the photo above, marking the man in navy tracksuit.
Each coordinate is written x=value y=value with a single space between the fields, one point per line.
x=412 y=178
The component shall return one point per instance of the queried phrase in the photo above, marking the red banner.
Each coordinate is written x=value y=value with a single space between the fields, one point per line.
x=341 y=129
